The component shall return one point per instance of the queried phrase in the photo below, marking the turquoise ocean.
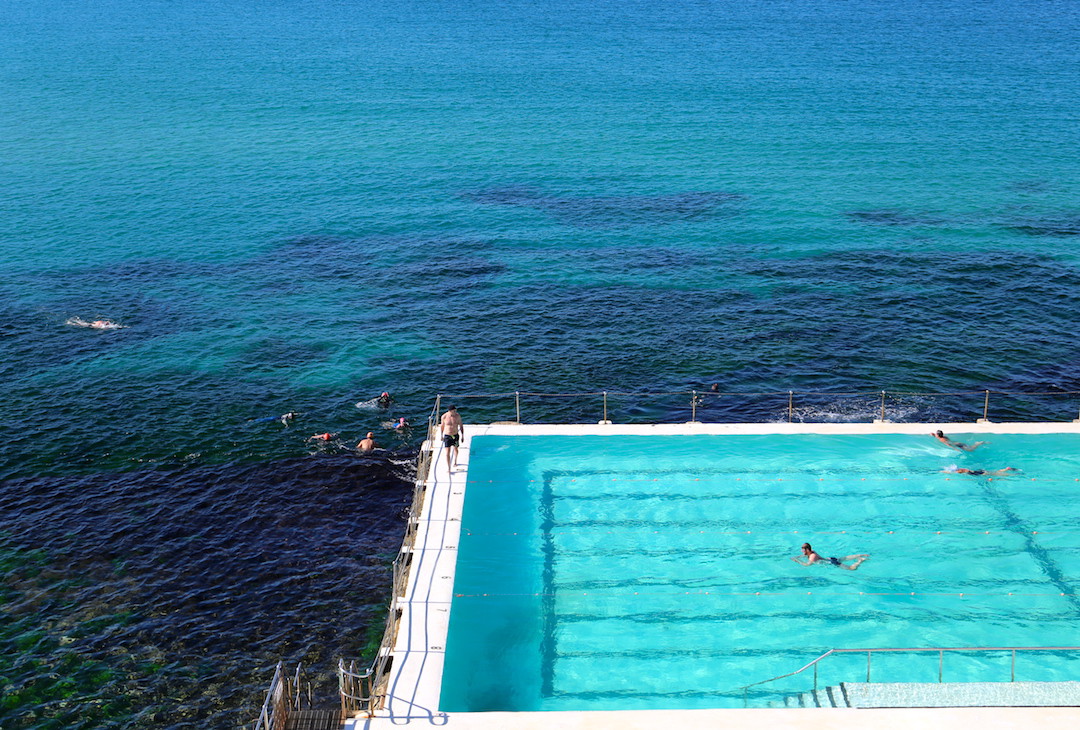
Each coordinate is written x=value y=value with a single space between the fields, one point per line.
x=291 y=206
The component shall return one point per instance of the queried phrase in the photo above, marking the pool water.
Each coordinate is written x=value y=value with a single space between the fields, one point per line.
x=627 y=572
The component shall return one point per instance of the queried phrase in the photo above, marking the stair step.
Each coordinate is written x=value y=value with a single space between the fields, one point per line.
x=836 y=697
x=314 y=720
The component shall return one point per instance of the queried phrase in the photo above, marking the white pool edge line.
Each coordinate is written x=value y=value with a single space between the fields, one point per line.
x=415 y=677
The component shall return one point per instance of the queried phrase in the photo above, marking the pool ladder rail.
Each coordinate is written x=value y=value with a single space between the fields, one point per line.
x=840 y=696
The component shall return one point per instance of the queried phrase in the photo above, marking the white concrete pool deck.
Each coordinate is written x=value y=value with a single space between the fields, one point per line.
x=415 y=677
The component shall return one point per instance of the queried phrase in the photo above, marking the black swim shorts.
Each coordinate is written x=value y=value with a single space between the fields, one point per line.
x=449 y=440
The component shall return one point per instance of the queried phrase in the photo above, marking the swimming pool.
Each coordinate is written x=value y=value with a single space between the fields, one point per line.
x=632 y=572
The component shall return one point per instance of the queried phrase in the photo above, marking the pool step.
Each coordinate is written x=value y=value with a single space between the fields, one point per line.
x=963 y=694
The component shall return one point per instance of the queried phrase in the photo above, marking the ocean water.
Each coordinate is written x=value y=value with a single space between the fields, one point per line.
x=294 y=205
x=652 y=572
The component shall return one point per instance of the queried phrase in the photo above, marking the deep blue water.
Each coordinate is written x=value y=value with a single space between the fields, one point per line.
x=292 y=206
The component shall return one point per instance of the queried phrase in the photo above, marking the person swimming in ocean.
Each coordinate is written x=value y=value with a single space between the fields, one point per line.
x=812 y=558
x=97 y=324
x=284 y=419
x=384 y=400
x=960 y=446
x=954 y=469
x=321 y=437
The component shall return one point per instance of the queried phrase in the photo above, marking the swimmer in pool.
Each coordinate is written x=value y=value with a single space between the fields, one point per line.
x=956 y=444
x=812 y=558
x=980 y=472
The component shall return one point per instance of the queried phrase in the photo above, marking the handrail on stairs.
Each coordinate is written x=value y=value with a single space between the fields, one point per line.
x=870 y=652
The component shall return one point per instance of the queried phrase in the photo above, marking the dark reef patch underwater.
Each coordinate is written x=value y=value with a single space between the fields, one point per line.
x=163 y=598
x=621 y=211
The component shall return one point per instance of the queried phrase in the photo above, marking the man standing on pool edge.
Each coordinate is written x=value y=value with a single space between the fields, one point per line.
x=452 y=430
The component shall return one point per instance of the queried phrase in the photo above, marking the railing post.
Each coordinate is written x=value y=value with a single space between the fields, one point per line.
x=790 y=405
x=868 y=667
x=815 y=676
x=986 y=406
x=605 y=422
x=517 y=405
x=693 y=406
x=1012 y=677
x=940 y=666
x=883 y=405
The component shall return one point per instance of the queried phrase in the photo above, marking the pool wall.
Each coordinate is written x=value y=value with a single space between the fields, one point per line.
x=415 y=677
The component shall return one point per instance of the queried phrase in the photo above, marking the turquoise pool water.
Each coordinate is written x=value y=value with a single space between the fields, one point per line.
x=602 y=573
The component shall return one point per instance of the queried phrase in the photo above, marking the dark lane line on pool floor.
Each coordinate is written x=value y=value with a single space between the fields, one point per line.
x=1014 y=524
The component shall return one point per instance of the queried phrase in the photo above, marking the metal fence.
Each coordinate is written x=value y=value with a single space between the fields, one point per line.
x=715 y=406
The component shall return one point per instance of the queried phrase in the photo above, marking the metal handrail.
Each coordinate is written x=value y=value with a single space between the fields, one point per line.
x=284 y=696
x=266 y=714
x=939 y=649
x=354 y=688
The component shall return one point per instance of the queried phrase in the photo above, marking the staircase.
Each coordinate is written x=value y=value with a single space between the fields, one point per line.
x=314 y=720
x=949 y=694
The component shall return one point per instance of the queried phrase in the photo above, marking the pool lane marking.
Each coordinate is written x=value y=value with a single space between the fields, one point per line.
x=1041 y=556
